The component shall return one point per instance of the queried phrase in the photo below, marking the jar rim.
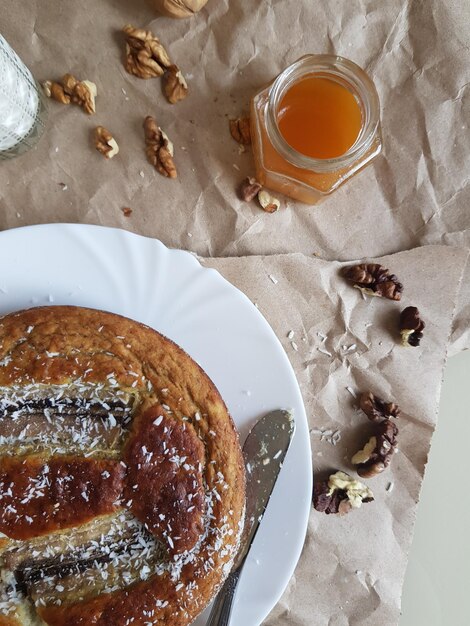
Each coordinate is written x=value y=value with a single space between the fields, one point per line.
x=356 y=79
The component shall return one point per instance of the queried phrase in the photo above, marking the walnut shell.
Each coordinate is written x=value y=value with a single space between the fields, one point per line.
x=178 y=8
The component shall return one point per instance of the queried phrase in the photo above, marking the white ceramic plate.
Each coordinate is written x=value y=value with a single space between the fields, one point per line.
x=215 y=323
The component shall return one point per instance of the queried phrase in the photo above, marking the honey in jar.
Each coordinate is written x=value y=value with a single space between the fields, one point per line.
x=315 y=127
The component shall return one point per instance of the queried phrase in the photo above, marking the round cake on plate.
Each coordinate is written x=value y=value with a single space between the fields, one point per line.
x=122 y=484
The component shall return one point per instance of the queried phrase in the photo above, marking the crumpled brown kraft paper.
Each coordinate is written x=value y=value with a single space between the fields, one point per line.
x=351 y=569
x=417 y=192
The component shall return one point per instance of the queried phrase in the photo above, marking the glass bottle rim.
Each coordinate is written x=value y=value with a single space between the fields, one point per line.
x=347 y=73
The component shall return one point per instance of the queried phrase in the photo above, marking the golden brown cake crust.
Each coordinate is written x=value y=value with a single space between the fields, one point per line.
x=77 y=492
x=165 y=461
x=144 y=396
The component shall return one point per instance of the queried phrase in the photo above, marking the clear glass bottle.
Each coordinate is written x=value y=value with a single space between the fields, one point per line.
x=22 y=105
x=280 y=167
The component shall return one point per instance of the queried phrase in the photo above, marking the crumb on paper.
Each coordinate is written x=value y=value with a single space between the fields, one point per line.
x=323 y=351
x=294 y=346
x=351 y=391
x=127 y=211
x=335 y=437
x=329 y=435
x=290 y=334
x=273 y=279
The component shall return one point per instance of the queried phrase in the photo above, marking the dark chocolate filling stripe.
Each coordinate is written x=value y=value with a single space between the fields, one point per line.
x=68 y=406
x=60 y=419
x=120 y=549
x=28 y=575
x=30 y=571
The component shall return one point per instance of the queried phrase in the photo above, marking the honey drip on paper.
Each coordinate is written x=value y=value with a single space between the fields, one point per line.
x=319 y=118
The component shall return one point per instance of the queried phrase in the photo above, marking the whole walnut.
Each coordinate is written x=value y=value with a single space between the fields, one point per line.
x=179 y=8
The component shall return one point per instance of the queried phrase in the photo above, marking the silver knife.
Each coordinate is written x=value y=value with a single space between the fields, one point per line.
x=264 y=451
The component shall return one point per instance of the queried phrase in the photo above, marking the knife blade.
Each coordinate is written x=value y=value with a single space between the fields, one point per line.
x=264 y=452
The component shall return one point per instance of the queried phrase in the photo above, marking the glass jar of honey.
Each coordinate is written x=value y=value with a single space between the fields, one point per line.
x=314 y=127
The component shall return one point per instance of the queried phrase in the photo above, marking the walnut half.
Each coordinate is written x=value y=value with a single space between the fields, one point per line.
x=267 y=202
x=374 y=280
x=174 y=85
x=249 y=189
x=56 y=92
x=69 y=89
x=159 y=148
x=339 y=494
x=377 y=409
x=411 y=326
x=105 y=142
x=179 y=8
x=240 y=130
x=378 y=452
x=145 y=55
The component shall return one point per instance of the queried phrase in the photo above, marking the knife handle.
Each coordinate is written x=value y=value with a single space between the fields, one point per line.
x=222 y=608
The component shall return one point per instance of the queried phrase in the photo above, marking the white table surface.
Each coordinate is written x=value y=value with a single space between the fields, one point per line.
x=437 y=583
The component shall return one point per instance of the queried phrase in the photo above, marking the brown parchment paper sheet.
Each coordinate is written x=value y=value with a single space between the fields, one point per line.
x=417 y=193
x=352 y=568
x=417 y=51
